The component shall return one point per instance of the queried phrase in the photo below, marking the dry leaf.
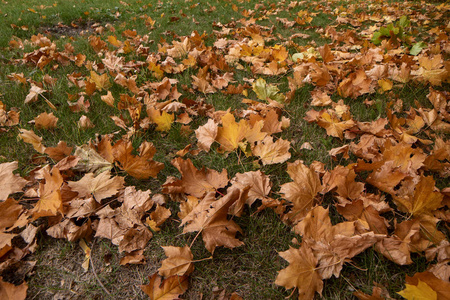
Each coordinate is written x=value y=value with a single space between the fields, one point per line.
x=100 y=186
x=10 y=182
x=28 y=136
x=167 y=289
x=178 y=261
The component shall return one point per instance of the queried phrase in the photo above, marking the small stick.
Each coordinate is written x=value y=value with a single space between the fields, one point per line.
x=95 y=273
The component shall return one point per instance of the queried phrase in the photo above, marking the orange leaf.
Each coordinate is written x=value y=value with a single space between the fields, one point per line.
x=167 y=289
x=301 y=272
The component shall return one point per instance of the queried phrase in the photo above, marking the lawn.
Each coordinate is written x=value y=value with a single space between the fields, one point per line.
x=232 y=149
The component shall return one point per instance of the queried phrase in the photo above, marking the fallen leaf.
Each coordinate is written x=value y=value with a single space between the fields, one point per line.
x=167 y=289
x=46 y=121
x=9 y=291
x=10 y=182
x=195 y=182
x=178 y=261
x=100 y=186
x=420 y=291
x=210 y=218
x=28 y=136
x=301 y=272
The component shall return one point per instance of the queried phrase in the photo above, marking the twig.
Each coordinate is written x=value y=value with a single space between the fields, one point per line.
x=93 y=269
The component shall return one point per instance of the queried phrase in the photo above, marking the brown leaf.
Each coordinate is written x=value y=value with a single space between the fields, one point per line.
x=210 y=218
x=59 y=152
x=303 y=190
x=178 y=261
x=134 y=258
x=258 y=182
x=46 y=121
x=140 y=167
x=271 y=152
x=423 y=201
x=108 y=99
x=100 y=186
x=206 y=135
x=34 y=93
x=28 y=136
x=170 y=288
x=50 y=201
x=301 y=272
x=9 y=212
x=9 y=291
x=195 y=182
x=101 y=81
x=159 y=216
x=333 y=125
x=10 y=182
x=84 y=122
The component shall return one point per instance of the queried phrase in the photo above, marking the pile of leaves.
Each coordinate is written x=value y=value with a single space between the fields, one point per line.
x=384 y=188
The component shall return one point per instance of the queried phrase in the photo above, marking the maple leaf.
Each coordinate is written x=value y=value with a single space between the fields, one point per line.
x=301 y=272
x=267 y=92
x=178 y=261
x=333 y=125
x=46 y=121
x=134 y=238
x=423 y=201
x=420 y=291
x=258 y=182
x=210 y=218
x=10 y=182
x=196 y=182
x=440 y=287
x=431 y=69
x=101 y=81
x=320 y=98
x=398 y=246
x=206 y=135
x=303 y=190
x=158 y=217
x=35 y=91
x=9 y=291
x=100 y=186
x=50 y=201
x=231 y=133
x=355 y=85
x=378 y=293
x=28 y=136
x=270 y=119
x=367 y=215
x=91 y=160
x=9 y=212
x=161 y=118
x=67 y=229
x=108 y=99
x=167 y=289
x=140 y=167
x=271 y=152
x=332 y=245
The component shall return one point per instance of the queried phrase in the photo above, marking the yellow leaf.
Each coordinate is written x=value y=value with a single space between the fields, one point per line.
x=87 y=252
x=28 y=136
x=161 y=118
x=101 y=81
x=385 y=85
x=231 y=133
x=421 y=291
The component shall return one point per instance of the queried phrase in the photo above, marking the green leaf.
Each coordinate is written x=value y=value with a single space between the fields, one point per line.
x=376 y=38
x=417 y=48
x=404 y=22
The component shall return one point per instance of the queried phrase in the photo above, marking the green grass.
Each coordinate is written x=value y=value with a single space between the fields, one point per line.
x=249 y=270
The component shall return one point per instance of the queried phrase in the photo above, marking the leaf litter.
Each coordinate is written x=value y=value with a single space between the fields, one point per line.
x=389 y=165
